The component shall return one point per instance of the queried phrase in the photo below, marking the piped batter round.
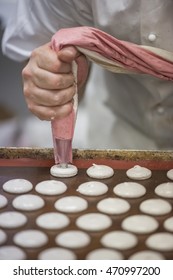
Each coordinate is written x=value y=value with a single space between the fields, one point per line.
x=138 y=173
x=165 y=190
x=129 y=190
x=146 y=255
x=11 y=253
x=104 y=254
x=141 y=224
x=113 y=206
x=12 y=219
x=28 y=202
x=120 y=240
x=52 y=220
x=100 y=171
x=71 y=204
x=168 y=224
x=55 y=253
x=161 y=241
x=17 y=186
x=155 y=206
x=63 y=172
x=94 y=221
x=30 y=238
x=92 y=188
x=73 y=239
x=51 y=187
x=3 y=236
x=170 y=174
x=3 y=201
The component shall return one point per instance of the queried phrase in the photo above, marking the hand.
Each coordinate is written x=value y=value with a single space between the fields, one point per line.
x=49 y=83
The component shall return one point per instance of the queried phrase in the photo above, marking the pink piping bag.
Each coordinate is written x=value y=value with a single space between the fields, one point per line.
x=116 y=55
x=112 y=54
x=63 y=130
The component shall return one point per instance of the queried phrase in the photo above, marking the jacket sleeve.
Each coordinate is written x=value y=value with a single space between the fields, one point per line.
x=33 y=23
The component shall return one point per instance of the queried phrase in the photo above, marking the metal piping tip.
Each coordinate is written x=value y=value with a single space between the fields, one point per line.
x=64 y=165
x=63 y=151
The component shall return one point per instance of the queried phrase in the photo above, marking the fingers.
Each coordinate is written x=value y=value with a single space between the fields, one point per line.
x=48 y=80
x=50 y=113
x=49 y=98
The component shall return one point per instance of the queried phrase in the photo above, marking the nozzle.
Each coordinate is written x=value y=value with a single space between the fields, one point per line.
x=63 y=151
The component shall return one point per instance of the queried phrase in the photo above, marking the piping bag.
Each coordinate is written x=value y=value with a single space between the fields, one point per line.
x=116 y=55
x=112 y=54
x=63 y=130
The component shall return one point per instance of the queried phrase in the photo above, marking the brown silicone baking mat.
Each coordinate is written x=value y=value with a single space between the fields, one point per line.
x=34 y=165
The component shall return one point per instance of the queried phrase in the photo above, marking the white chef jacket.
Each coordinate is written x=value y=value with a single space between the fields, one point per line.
x=143 y=103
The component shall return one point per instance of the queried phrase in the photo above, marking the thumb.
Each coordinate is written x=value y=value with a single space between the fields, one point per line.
x=68 y=54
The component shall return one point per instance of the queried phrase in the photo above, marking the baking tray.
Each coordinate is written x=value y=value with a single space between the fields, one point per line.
x=34 y=165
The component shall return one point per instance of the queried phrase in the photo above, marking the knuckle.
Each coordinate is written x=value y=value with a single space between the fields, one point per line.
x=31 y=107
x=29 y=91
x=55 y=66
x=64 y=80
x=64 y=96
x=59 y=81
x=43 y=115
x=55 y=81
x=64 y=110
x=26 y=73
x=69 y=108
x=57 y=98
x=38 y=113
x=35 y=52
x=26 y=91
